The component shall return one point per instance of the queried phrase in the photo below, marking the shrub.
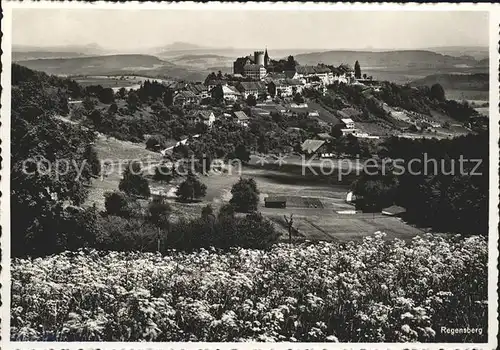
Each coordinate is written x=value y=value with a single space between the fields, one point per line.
x=245 y=195
x=158 y=212
x=191 y=189
x=120 y=204
x=133 y=182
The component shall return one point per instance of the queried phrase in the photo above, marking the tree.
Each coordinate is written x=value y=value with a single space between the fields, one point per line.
x=168 y=98
x=297 y=98
x=106 y=95
x=132 y=100
x=245 y=195
x=251 y=100
x=207 y=211
x=96 y=118
x=290 y=63
x=158 y=212
x=155 y=143
x=164 y=173
x=133 y=182
x=226 y=212
x=357 y=70
x=242 y=153
x=39 y=196
x=120 y=204
x=122 y=93
x=113 y=108
x=191 y=189
x=218 y=94
x=437 y=92
x=93 y=162
x=88 y=104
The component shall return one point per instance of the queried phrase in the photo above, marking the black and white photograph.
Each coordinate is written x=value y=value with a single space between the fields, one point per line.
x=220 y=173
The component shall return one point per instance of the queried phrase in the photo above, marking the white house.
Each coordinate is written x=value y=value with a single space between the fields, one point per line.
x=255 y=71
x=230 y=93
x=205 y=117
x=349 y=123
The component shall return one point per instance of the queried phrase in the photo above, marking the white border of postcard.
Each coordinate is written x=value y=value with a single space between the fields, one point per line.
x=494 y=22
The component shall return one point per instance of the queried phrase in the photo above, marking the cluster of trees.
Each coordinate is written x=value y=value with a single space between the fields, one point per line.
x=439 y=194
x=52 y=164
x=423 y=99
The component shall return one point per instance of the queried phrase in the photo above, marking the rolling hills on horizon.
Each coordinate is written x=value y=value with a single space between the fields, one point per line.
x=401 y=66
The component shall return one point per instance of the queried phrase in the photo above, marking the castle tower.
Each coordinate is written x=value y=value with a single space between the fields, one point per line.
x=259 y=57
x=266 y=59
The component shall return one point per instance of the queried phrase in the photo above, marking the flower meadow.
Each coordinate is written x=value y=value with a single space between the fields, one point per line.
x=374 y=290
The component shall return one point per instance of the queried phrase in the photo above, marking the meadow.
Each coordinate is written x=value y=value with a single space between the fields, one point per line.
x=375 y=290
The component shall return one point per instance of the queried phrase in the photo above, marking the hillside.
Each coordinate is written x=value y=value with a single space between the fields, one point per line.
x=145 y=65
x=35 y=55
x=477 y=81
x=386 y=59
x=477 y=52
x=202 y=61
x=459 y=86
x=94 y=64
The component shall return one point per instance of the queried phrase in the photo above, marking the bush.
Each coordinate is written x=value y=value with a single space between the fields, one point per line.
x=120 y=204
x=245 y=195
x=191 y=189
x=158 y=212
x=120 y=234
x=133 y=183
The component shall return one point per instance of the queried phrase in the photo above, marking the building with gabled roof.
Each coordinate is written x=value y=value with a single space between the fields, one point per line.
x=248 y=88
x=310 y=146
x=183 y=98
x=241 y=118
x=202 y=116
x=349 y=123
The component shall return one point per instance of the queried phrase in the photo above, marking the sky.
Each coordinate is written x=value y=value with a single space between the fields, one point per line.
x=127 y=30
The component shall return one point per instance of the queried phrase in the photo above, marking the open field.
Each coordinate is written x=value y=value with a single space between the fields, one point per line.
x=316 y=201
x=115 y=154
x=315 y=206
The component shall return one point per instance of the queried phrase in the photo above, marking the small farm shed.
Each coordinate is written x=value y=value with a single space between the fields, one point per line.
x=394 y=210
x=275 y=202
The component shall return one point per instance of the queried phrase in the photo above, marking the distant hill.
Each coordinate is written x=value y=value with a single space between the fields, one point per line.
x=202 y=61
x=477 y=52
x=34 y=55
x=95 y=64
x=145 y=65
x=479 y=81
x=386 y=59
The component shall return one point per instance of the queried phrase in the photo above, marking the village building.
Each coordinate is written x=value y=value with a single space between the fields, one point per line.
x=254 y=71
x=198 y=89
x=241 y=118
x=285 y=87
x=230 y=93
x=311 y=147
x=256 y=88
x=253 y=67
x=211 y=84
x=348 y=122
x=325 y=136
x=394 y=210
x=202 y=116
x=183 y=98
x=275 y=202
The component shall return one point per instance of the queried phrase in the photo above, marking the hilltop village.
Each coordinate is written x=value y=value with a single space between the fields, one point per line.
x=268 y=86
x=260 y=86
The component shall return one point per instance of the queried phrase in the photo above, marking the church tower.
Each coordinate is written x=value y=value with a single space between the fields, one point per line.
x=266 y=59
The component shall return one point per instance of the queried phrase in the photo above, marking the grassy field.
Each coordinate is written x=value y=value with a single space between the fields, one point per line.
x=114 y=155
x=316 y=202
